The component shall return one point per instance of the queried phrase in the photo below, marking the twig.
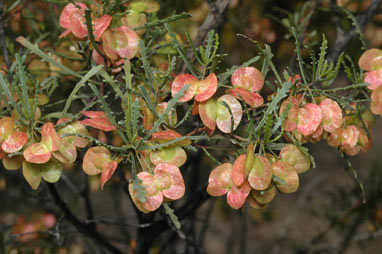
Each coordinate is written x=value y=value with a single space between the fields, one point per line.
x=344 y=37
x=243 y=231
x=2 y=37
x=292 y=62
x=214 y=20
x=82 y=227
x=206 y=220
x=283 y=231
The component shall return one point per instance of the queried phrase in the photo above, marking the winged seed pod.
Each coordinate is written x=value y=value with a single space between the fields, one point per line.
x=246 y=82
x=220 y=183
x=202 y=90
x=165 y=184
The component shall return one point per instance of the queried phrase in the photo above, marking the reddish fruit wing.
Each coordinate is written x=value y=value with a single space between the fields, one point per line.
x=165 y=136
x=154 y=196
x=252 y=99
x=376 y=101
x=51 y=171
x=74 y=127
x=260 y=175
x=100 y=25
x=171 y=117
x=179 y=82
x=49 y=137
x=66 y=153
x=195 y=108
x=309 y=118
x=109 y=44
x=334 y=139
x=287 y=174
x=168 y=135
x=223 y=115
x=295 y=158
x=77 y=23
x=99 y=123
x=177 y=187
x=266 y=196
x=206 y=88
x=349 y=137
x=37 y=153
x=31 y=173
x=172 y=155
x=153 y=202
x=374 y=78
x=220 y=180
x=64 y=17
x=107 y=172
x=370 y=60
x=12 y=163
x=148 y=118
x=332 y=117
x=207 y=113
x=94 y=114
x=292 y=117
x=248 y=78
x=2 y=153
x=237 y=195
x=238 y=170
x=66 y=12
x=253 y=202
x=97 y=58
x=152 y=6
x=7 y=126
x=14 y=142
x=137 y=203
x=127 y=42
x=94 y=160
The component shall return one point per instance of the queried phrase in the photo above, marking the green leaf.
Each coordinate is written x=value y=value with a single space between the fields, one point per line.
x=144 y=94
x=137 y=186
x=180 y=50
x=278 y=180
x=281 y=94
x=191 y=43
x=89 y=26
x=23 y=83
x=298 y=52
x=172 y=216
x=163 y=21
x=146 y=65
x=321 y=60
x=93 y=71
x=8 y=93
x=135 y=118
x=107 y=110
x=162 y=118
x=357 y=27
x=280 y=120
x=44 y=56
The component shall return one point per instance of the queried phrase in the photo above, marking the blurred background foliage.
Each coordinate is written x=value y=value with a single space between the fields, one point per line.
x=326 y=214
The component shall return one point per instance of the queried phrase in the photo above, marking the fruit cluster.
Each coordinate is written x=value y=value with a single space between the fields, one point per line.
x=113 y=44
x=257 y=177
x=371 y=62
x=294 y=113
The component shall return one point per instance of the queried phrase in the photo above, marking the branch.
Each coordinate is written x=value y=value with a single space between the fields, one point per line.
x=82 y=227
x=214 y=20
x=344 y=37
x=2 y=37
